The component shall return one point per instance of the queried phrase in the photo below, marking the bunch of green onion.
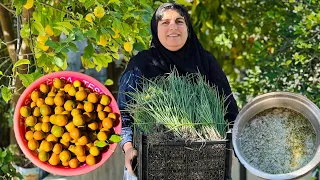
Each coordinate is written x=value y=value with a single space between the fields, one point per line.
x=186 y=106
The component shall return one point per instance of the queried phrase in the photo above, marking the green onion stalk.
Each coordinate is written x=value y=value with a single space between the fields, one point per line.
x=185 y=106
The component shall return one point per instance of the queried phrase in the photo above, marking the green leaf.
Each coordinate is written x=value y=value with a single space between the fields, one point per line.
x=91 y=33
x=215 y=5
x=5 y=168
x=209 y=24
x=20 y=62
x=98 y=68
x=88 y=4
x=58 y=61
x=36 y=16
x=63 y=29
x=27 y=79
x=73 y=47
x=38 y=26
x=87 y=63
x=19 y=5
x=110 y=31
x=101 y=144
x=52 y=44
x=100 y=60
x=114 y=1
x=3 y=154
x=69 y=38
x=109 y=82
x=62 y=48
x=288 y=62
x=75 y=21
x=117 y=24
x=88 y=51
x=257 y=43
x=114 y=47
x=115 y=55
x=1 y=73
x=6 y=94
x=66 y=25
x=115 y=138
x=138 y=46
x=78 y=35
x=25 y=31
x=183 y=2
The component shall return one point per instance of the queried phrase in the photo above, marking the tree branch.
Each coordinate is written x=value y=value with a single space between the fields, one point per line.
x=10 y=10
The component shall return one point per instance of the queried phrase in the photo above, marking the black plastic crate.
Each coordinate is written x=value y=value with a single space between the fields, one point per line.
x=183 y=161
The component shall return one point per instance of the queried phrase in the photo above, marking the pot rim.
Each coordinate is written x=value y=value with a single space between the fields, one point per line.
x=280 y=94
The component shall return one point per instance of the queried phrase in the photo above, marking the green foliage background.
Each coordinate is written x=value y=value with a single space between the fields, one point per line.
x=263 y=46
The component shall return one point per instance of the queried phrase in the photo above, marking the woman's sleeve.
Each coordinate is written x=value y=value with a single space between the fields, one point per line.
x=128 y=83
x=221 y=81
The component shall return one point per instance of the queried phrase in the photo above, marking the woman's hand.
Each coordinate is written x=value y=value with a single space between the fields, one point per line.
x=130 y=154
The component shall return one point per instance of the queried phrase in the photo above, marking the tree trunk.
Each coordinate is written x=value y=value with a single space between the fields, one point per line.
x=8 y=33
x=23 y=69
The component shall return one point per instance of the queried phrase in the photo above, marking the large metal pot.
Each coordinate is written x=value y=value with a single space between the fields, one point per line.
x=292 y=101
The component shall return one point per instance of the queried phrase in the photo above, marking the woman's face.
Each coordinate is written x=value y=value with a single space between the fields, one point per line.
x=172 y=30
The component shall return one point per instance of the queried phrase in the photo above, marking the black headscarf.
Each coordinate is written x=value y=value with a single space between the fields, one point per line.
x=191 y=58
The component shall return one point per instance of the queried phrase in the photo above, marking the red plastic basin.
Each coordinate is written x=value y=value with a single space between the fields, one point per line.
x=20 y=127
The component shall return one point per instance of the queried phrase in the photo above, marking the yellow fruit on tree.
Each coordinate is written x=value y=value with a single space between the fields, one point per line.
x=128 y=46
x=48 y=30
x=116 y=33
x=89 y=17
x=43 y=47
x=42 y=39
x=102 y=41
x=99 y=12
x=29 y=4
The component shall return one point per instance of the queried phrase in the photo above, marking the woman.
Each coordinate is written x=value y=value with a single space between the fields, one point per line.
x=174 y=44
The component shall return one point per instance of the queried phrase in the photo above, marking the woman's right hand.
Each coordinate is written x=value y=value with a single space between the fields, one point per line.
x=130 y=153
